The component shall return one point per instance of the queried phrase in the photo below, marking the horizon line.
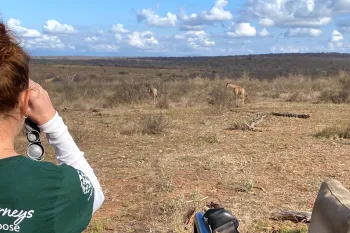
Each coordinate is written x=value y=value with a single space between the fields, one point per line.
x=241 y=55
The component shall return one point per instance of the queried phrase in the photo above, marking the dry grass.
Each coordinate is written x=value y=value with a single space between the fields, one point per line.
x=163 y=102
x=239 y=126
x=79 y=131
x=156 y=163
x=284 y=228
x=337 y=131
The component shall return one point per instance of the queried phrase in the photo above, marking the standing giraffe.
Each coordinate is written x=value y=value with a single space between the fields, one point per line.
x=152 y=90
x=238 y=91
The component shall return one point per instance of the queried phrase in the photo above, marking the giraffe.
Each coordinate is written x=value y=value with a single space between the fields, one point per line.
x=238 y=91
x=152 y=90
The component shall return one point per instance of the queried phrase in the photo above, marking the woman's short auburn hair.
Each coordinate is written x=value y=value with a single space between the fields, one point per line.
x=14 y=70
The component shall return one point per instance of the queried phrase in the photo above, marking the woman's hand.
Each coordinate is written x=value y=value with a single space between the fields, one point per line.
x=40 y=108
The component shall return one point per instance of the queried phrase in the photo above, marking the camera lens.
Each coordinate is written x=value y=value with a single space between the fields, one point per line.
x=35 y=151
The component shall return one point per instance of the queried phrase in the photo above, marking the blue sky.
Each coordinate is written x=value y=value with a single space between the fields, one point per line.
x=179 y=28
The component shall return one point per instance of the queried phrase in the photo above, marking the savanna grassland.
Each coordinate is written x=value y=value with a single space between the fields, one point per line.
x=159 y=163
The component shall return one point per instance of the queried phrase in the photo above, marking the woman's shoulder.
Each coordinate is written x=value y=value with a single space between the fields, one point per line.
x=43 y=166
x=48 y=173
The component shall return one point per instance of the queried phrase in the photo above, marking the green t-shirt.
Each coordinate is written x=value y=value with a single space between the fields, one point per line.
x=41 y=197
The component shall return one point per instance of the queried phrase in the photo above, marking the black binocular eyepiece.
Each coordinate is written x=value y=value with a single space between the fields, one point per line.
x=35 y=149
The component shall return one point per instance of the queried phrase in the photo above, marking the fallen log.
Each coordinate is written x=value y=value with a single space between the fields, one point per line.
x=292 y=215
x=291 y=115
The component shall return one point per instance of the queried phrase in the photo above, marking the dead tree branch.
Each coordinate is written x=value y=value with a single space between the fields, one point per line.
x=255 y=121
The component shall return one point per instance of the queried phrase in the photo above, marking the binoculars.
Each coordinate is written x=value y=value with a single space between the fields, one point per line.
x=35 y=149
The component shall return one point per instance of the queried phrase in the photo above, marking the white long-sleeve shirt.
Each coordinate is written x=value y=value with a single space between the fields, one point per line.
x=68 y=152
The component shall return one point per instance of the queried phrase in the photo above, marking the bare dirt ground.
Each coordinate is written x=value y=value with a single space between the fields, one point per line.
x=151 y=181
x=145 y=176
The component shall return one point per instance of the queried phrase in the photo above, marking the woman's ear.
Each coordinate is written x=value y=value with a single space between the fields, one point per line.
x=24 y=102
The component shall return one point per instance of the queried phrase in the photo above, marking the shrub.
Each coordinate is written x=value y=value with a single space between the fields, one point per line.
x=219 y=97
x=344 y=82
x=153 y=123
x=239 y=126
x=78 y=78
x=337 y=97
x=210 y=138
x=162 y=102
x=125 y=93
x=336 y=131
x=128 y=130
x=177 y=89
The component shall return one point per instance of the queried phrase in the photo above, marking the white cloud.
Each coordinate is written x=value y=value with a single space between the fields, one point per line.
x=44 y=42
x=340 y=5
x=180 y=37
x=192 y=19
x=91 y=39
x=152 y=19
x=316 y=22
x=336 y=36
x=54 y=27
x=118 y=37
x=100 y=32
x=196 y=39
x=119 y=31
x=191 y=28
x=119 y=28
x=142 y=40
x=33 y=39
x=291 y=13
x=310 y=5
x=266 y=22
x=216 y=14
x=336 y=40
x=72 y=47
x=242 y=30
x=264 y=33
x=15 y=25
x=105 y=48
x=288 y=49
x=303 y=32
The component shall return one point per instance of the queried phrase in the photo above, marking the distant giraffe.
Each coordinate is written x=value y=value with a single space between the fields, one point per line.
x=238 y=91
x=152 y=90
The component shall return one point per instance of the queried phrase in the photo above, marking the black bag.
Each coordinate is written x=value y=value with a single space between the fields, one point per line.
x=221 y=220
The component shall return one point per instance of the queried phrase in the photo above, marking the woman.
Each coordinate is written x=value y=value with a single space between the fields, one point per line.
x=39 y=197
